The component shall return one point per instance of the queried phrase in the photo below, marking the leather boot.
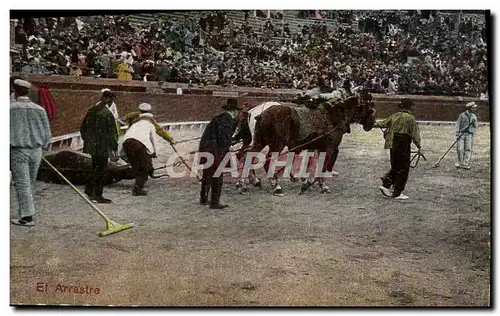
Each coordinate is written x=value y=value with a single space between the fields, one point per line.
x=101 y=199
x=204 y=192
x=89 y=190
x=216 y=193
x=139 y=192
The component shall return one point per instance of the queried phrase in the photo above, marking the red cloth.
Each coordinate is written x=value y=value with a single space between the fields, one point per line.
x=47 y=102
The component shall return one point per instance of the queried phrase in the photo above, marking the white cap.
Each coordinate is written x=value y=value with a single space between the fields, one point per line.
x=105 y=89
x=145 y=107
x=22 y=83
x=471 y=105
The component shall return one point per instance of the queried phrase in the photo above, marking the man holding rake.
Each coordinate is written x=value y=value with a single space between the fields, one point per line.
x=466 y=128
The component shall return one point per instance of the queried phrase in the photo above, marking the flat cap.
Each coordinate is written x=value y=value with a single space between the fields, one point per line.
x=22 y=83
x=145 y=107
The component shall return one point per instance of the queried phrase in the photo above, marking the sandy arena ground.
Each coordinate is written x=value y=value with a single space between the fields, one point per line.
x=350 y=248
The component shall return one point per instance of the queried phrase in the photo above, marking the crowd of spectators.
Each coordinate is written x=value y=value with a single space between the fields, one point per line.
x=391 y=52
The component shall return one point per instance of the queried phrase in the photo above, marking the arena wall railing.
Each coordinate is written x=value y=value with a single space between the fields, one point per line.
x=74 y=140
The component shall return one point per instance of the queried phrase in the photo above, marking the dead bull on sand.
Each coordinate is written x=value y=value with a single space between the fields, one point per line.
x=77 y=168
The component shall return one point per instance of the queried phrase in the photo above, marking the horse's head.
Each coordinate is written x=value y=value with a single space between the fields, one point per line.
x=366 y=110
x=353 y=110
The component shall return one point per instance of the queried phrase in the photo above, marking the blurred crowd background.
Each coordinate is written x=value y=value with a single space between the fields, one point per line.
x=393 y=52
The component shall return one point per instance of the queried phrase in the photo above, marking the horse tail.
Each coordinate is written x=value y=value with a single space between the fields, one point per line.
x=258 y=139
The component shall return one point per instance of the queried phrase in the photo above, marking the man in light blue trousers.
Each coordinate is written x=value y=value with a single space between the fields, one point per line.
x=29 y=135
x=466 y=128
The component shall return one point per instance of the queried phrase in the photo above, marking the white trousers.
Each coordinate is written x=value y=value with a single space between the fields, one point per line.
x=464 y=149
x=24 y=164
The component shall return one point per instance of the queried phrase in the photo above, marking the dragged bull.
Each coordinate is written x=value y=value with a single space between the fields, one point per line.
x=77 y=168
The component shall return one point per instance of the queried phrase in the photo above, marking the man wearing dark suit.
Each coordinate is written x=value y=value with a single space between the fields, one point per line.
x=100 y=140
x=216 y=139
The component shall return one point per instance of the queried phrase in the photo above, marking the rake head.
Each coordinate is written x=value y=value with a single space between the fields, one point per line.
x=114 y=227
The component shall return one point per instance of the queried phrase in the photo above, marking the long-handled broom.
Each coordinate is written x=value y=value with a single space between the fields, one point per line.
x=184 y=161
x=456 y=140
x=111 y=226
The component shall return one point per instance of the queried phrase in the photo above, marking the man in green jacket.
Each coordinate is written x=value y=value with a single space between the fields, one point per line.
x=100 y=140
x=402 y=129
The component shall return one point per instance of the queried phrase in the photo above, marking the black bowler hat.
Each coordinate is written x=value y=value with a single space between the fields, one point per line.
x=232 y=104
x=109 y=94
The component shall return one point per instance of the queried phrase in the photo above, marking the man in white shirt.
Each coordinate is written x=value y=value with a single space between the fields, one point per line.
x=139 y=144
x=466 y=128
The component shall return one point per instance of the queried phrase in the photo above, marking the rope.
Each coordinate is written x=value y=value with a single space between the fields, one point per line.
x=417 y=155
x=311 y=141
x=184 y=161
x=187 y=140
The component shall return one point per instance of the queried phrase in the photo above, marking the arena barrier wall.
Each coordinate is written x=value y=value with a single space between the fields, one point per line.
x=74 y=96
x=74 y=140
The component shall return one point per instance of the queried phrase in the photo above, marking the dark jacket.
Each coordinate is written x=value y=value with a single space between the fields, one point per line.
x=99 y=132
x=217 y=136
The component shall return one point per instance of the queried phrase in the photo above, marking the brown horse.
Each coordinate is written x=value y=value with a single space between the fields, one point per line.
x=279 y=127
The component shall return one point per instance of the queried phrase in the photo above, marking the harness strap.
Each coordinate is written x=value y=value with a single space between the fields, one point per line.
x=342 y=124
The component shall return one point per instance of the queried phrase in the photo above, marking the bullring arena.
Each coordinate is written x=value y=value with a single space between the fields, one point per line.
x=349 y=248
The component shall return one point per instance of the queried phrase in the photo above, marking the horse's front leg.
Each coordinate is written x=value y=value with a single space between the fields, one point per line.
x=323 y=186
x=240 y=183
x=309 y=179
x=242 y=186
x=328 y=164
x=308 y=183
x=277 y=189
x=253 y=179
x=293 y=172
x=252 y=175
x=277 y=170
